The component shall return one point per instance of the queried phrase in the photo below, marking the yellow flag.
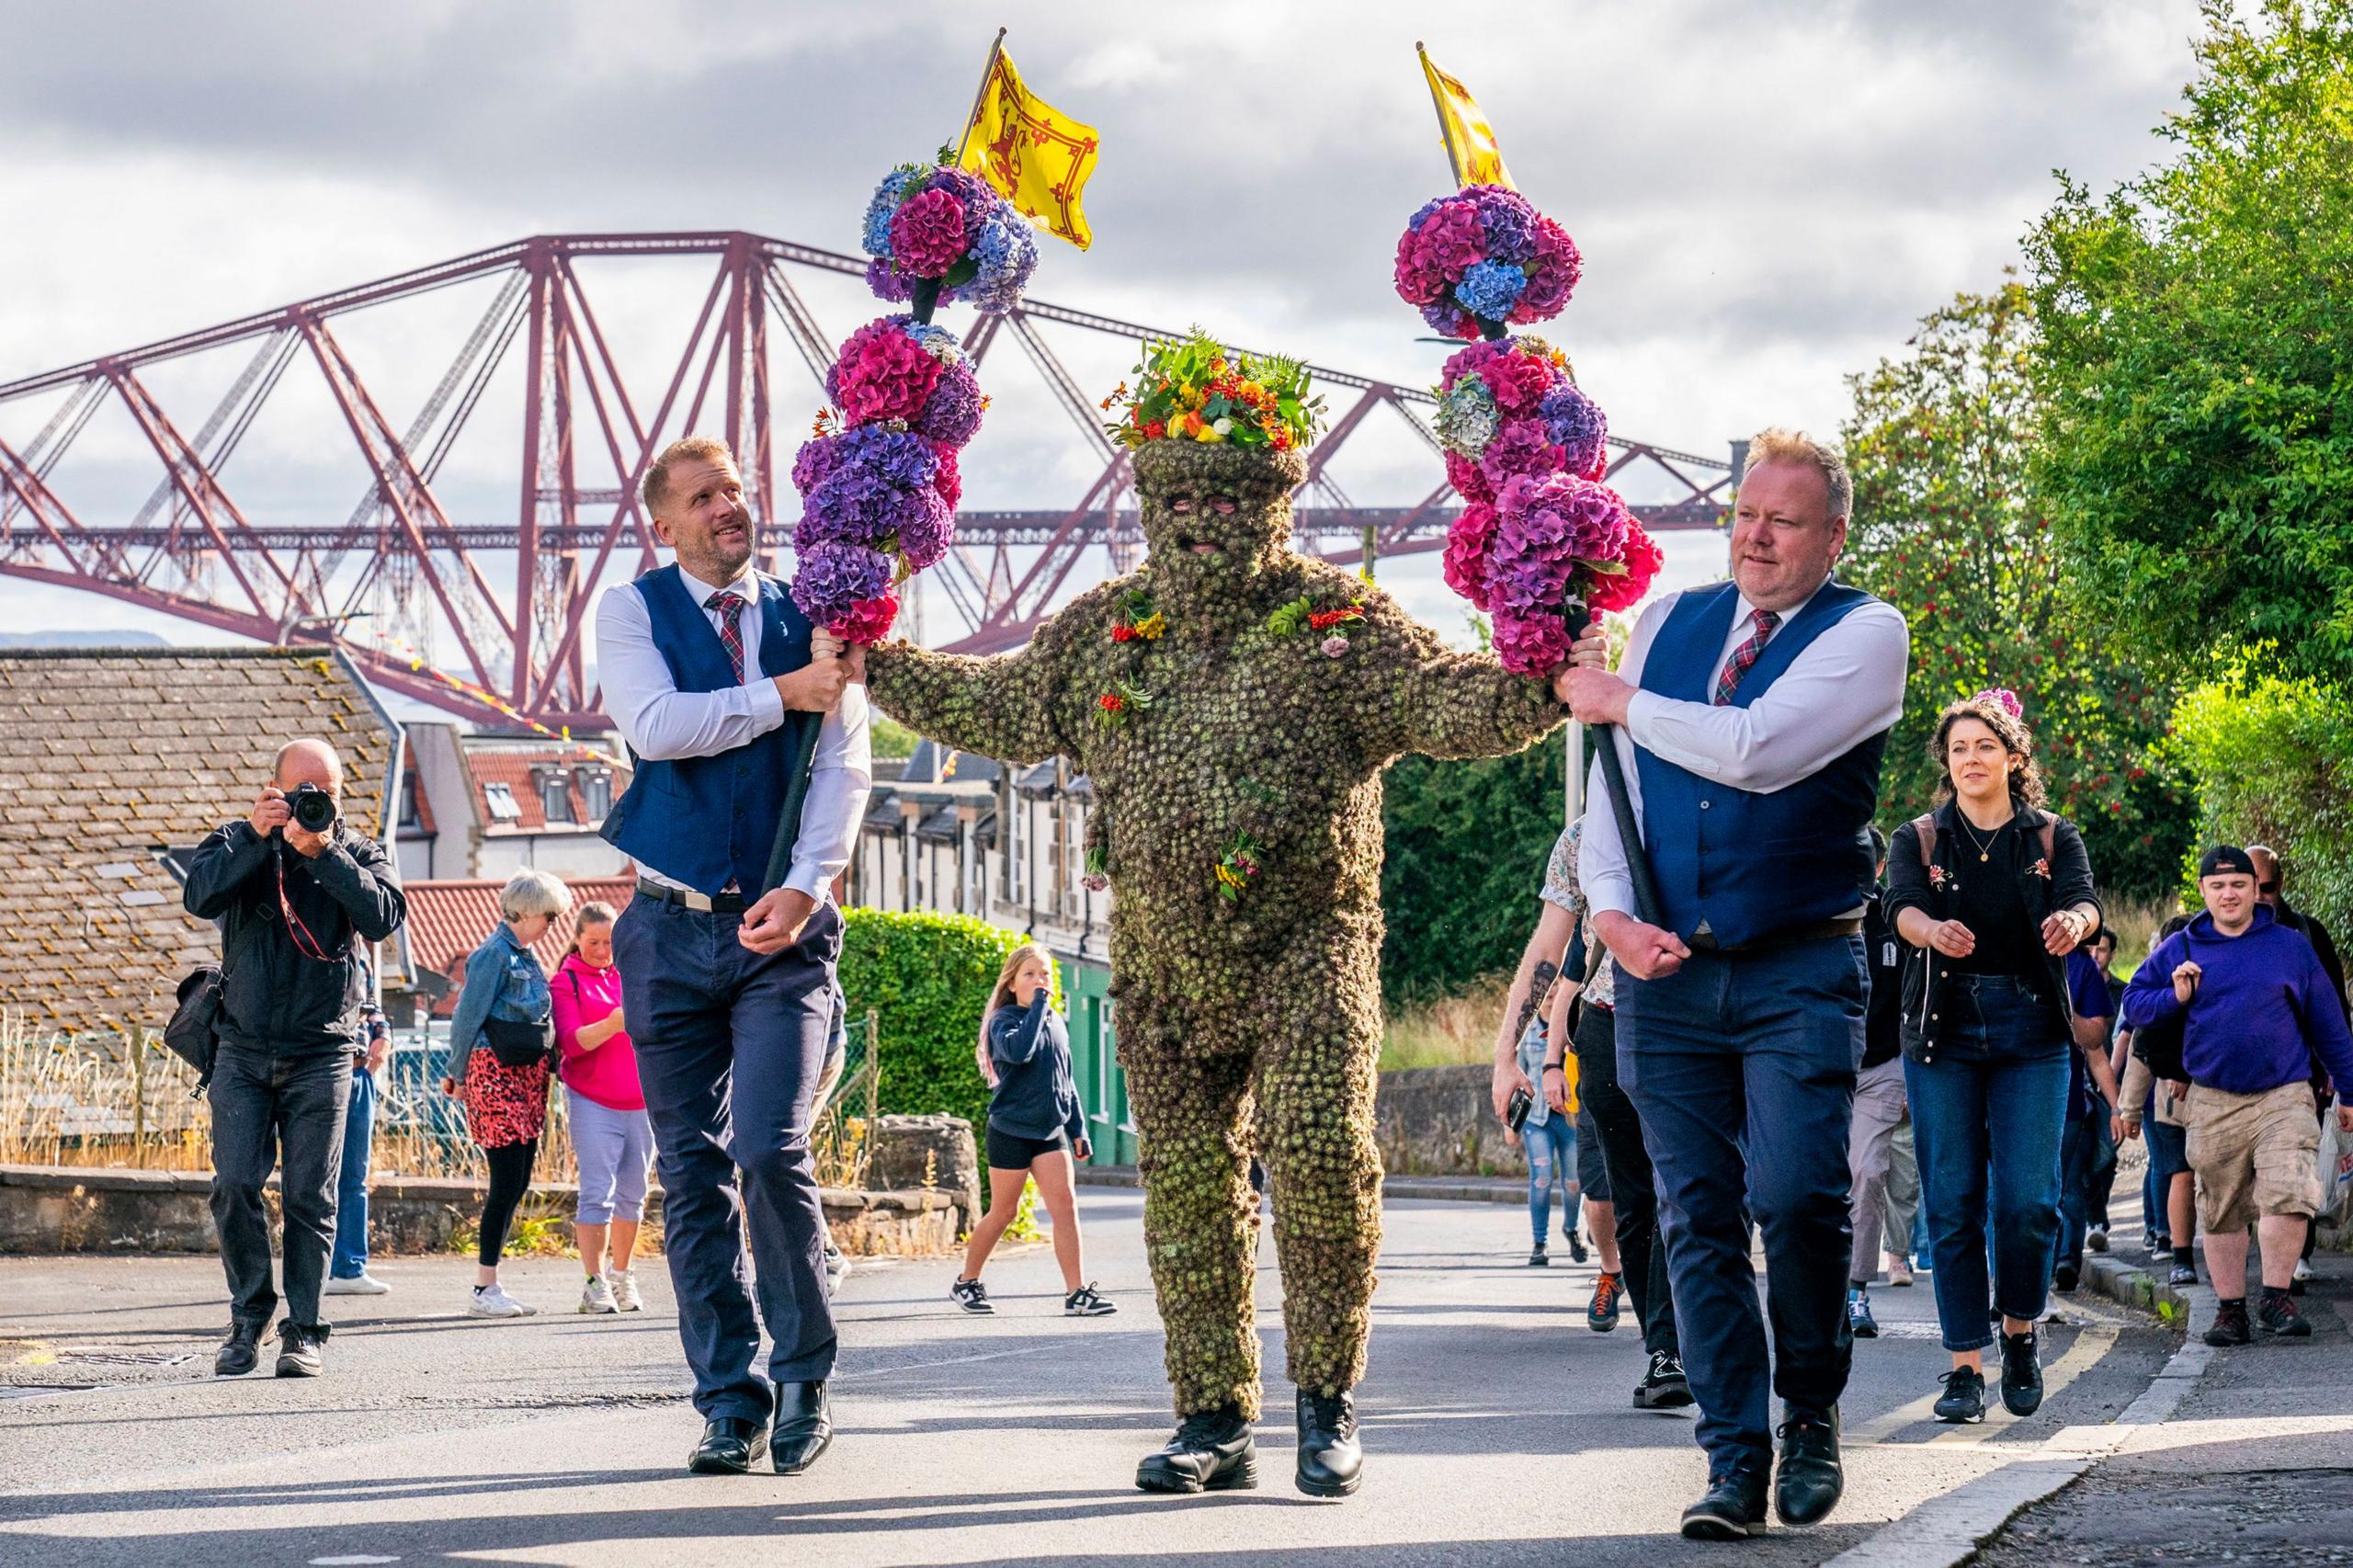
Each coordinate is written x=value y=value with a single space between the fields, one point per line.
x=1036 y=156
x=1470 y=139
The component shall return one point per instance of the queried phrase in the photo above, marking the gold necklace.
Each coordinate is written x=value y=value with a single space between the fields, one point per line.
x=1984 y=846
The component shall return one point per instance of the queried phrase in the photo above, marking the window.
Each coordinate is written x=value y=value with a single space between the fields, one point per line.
x=501 y=801
x=1016 y=848
x=408 y=801
x=1074 y=860
x=555 y=797
x=597 y=793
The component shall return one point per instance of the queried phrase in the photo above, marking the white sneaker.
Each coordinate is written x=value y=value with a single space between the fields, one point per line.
x=493 y=1301
x=624 y=1286
x=358 y=1285
x=836 y=1269
x=596 y=1296
x=2303 y=1270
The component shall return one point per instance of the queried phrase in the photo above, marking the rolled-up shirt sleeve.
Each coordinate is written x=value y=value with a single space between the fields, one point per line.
x=1601 y=856
x=1848 y=685
x=657 y=720
x=835 y=804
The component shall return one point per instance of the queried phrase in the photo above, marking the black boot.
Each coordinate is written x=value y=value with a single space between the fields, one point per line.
x=804 y=1427
x=240 y=1353
x=1811 y=1479
x=297 y=1349
x=1213 y=1451
x=1331 y=1459
x=1734 y=1508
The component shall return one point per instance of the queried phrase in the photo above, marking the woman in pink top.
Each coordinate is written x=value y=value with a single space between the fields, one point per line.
x=610 y=1135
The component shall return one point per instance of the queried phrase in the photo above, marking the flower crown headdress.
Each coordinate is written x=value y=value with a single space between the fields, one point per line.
x=2003 y=697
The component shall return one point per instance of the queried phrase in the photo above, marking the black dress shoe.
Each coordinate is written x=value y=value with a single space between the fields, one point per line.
x=804 y=1427
x=1331 y=1457
x=1213 y=1451
x=2022 y=1374
x=299 y=1348
x=1734 y=1508
x=730 y=1446
x=240 y=1353
x=1811 y=1480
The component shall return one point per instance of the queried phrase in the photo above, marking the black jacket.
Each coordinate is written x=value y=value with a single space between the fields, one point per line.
x=274 y=998
x=1883 y=953
x=2065 y=883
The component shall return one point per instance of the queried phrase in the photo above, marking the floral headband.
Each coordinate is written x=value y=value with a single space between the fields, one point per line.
x=2002 y=698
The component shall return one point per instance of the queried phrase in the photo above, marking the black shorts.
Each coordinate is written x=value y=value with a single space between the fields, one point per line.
x=1011 y=1152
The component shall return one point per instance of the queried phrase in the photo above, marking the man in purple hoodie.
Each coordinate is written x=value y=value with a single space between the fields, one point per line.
x=2259 y=1010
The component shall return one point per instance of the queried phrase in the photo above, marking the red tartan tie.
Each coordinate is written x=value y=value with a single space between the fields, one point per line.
x=1745 y=655
x=730 y=606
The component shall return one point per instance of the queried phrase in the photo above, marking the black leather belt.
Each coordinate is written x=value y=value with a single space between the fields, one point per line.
x=686 y=898
x=1788 y=936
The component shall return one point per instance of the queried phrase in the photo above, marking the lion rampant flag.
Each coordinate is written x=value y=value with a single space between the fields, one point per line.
x=1037 y=155
x=1470 y=139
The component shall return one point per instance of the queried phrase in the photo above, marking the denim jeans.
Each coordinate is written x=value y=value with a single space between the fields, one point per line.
x=1743 y=1067
x=264 y=1105
x=1551 y=1151
x=1989 y=1113
x=2087 y=1167
x=351 y=1190
x=1633 y=1186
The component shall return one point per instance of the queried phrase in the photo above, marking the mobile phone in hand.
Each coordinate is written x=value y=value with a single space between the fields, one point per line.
x=1515 y=1108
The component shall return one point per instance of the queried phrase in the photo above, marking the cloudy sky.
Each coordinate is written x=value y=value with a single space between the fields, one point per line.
x=1767 y=192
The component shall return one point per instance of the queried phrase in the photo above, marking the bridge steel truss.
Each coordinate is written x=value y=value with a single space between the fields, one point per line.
x=191 y=551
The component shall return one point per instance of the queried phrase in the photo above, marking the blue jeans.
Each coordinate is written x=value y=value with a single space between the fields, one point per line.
x=352 y=1192
x=1551 y=1151
x=2087 y=1164
x=1989 y=1113
x=2169 y=1157
x=1742 y=1066
x=730 y=1044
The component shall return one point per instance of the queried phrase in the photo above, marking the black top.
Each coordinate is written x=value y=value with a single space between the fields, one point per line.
x=2008 y=941
x=1035 y=1097
x=1883 y=1014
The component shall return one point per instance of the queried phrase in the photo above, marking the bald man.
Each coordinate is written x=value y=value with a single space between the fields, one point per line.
x=297 y=908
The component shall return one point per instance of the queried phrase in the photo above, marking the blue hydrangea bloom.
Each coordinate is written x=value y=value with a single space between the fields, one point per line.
x=876 y=235
x=1490 y=288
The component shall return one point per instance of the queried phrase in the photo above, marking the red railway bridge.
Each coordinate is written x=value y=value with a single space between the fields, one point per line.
x=399 y=556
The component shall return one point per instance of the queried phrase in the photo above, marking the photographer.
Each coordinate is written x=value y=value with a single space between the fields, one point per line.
x=296 y=893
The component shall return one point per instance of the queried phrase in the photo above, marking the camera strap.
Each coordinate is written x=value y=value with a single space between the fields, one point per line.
x=308 y=946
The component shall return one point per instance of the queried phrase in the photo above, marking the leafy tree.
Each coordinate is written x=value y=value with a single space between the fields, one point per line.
x=2273 y=760
x=2197 y=419
x=1939 y=442
x=1467 y=844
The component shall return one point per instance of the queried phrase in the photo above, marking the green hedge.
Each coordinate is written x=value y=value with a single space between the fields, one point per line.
x=2272 y=758
x=927 y=977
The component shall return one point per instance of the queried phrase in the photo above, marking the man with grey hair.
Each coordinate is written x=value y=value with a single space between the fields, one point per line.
x=1750 y=718
x=296 y=904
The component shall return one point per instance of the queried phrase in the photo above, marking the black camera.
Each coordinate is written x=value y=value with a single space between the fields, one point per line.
x=312 y=807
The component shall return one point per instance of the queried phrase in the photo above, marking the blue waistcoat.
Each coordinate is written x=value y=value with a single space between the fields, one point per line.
x=704 y=821
x=1748 y=864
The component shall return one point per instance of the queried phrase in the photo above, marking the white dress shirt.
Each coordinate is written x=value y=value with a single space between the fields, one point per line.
x=1846 y=685
x=660 y=723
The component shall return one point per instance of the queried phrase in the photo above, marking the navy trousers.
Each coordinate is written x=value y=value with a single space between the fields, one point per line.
x=268 y=1111
x=730 y=1044
x=1742 y=1066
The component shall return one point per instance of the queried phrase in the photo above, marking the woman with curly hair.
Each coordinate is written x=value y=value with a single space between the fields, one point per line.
x=1993 y=893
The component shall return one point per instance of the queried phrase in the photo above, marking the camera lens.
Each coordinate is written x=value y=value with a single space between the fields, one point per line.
x=314 y=808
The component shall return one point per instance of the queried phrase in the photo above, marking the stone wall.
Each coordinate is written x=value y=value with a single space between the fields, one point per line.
x=1437 y=1121
x=907 y=1153
x=66 y=1209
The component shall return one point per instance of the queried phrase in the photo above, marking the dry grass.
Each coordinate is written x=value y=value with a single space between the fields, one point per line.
x=2135 y=925
x=1452 y=1031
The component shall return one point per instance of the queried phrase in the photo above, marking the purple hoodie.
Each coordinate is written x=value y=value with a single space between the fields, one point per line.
x=2262 y=1009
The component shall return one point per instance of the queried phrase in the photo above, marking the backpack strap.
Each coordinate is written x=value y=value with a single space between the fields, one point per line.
x=2050 y=836
x=1924 y=829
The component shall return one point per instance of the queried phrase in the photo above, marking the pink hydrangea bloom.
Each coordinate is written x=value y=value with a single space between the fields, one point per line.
x=1417 y=284
x=1522 y=447
x=948 y=482
x=1624 y=590
x=1550 y=275
x=1518 y=380
x=882 y=374
x=868 y=620
x=1530 y=645
x=1450 y=240
x=928 y=233
x=1467 y=543
x=1468 y=482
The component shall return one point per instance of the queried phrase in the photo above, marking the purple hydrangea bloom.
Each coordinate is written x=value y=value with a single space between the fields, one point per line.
x=832 y=577
x=1576 y=424
x=1414 y=223
x=979 y=198
x=1509 y=219
x=1445 y=316
x=1544 y=529
x=953 y=411
x=925 y=534
x=814 y=461
x=856 y=505
x=885 y=281
x=900 y=457
x=1490 y=288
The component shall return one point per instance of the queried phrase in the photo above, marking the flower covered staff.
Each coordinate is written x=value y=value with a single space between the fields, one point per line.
x=1237 y=824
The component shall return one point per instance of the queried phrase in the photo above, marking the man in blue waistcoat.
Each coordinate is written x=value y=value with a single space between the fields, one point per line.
x=729 y=983
x=1751 y=716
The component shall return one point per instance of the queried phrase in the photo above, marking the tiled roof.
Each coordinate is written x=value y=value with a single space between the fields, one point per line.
x=109 y=754
x=448 y=920
x=495 y=764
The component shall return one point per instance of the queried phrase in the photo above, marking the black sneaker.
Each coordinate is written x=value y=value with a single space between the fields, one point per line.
x=1664 y=1386
x=2065 y=1278
x=297 y=1352
x=2230 y=1325
x=1213 y=1451
x=1577 y=1252
x=972 y=1296
x=2022 y=1374
x=2183 y=1272
x=1087 y=1303
x=1537 y=1257
x=2281 y=1318
x=1963 y=1402
x=240 y=1353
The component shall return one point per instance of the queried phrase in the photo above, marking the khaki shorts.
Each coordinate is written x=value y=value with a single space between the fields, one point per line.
x=2254 y=1154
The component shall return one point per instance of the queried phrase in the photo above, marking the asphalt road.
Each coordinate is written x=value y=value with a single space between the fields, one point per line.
x=1499 y=1429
